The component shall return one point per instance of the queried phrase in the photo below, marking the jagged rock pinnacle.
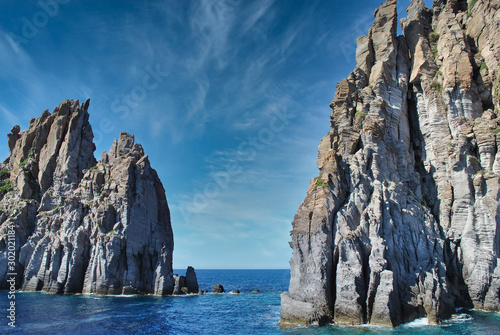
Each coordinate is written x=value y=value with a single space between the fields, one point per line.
x=82 y=225
x=403 y=223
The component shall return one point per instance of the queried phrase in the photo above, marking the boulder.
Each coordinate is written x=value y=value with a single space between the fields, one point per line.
x=218 y=288
x=180 y=284
x=191 y=280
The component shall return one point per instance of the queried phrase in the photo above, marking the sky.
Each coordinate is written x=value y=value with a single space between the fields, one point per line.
x=229 y=99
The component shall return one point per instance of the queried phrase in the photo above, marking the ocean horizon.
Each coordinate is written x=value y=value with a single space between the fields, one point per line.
x=244 y=313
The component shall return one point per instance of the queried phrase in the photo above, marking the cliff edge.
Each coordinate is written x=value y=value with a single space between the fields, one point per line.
x=70 y=224
x=403 y=220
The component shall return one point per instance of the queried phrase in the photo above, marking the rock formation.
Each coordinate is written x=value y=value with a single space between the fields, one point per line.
x=191 y=280
x=180 y=285
x=402 y=221
x=218 y=288
x=187 y=284
x=81 y=225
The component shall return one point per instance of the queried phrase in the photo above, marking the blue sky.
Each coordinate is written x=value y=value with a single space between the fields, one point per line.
x=229 y=99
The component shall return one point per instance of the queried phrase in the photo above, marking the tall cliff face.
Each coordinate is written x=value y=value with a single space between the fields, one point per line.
x=403 y=219
x=81 y=225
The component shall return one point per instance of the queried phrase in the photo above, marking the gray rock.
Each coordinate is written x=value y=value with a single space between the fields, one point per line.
x=180 y=283
x=186 y=284
x=13 y=137
x=191 y=280
x=400 y=222
x=218 y=288
x=81 y=225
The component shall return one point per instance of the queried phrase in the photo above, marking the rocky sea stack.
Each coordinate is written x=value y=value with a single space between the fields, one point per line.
x=403 y=220
x=70 y=224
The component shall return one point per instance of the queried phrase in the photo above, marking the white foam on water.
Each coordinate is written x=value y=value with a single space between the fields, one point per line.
x=372 y=326
x=422 y=322
x=458 y=318
x=365 y=326
x=189 y=295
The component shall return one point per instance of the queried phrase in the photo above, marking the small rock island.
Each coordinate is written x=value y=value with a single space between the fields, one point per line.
x=70 y=224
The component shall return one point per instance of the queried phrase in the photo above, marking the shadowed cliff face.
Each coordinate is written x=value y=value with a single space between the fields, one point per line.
x=81 y=225
x=402 y=221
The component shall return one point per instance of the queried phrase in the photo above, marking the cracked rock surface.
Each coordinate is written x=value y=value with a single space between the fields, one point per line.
x=403 y=220
x=82 y=225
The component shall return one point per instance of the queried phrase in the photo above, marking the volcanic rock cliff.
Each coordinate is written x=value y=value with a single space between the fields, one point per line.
x=72 y=224
x=403 y=220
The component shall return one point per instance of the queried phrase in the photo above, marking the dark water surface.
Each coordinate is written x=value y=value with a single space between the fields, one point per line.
x=246 y=313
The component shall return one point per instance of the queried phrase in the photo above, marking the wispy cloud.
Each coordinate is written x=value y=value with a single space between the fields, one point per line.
x=211 y=23
x=259 y=10
x=9 y=116
x=343 y=41
x=231 y=65
x=196 y=106
x=253 y=83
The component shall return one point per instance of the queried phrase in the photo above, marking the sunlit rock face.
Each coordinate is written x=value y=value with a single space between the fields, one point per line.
x=403 y=220
x=80 y=225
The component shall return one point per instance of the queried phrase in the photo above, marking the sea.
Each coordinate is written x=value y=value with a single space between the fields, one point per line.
x=244 y=313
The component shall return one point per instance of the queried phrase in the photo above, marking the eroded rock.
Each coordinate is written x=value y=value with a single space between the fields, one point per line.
x=401 y=222
x=82 y=225
x=218 y=288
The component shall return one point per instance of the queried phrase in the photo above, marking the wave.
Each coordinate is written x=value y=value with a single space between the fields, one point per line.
x=421 y=322
x=463 y=317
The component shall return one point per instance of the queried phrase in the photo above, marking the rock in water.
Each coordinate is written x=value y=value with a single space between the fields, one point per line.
x=180 y=285
x=186 y=284
x=191 y=280
x=81 y=225
x=402 y=221
x=218 y=288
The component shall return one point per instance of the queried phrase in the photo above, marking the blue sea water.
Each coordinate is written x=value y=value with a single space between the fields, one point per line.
x=246 y=313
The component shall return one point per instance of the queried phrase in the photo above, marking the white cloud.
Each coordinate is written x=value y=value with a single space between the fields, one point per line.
x=259 y=10
x=9 y=116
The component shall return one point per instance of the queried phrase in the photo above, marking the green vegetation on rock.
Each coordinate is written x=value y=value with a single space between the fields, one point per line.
x=5 y=188
x=360 y=114
x=435 y=85
x=319 y=182
x=433 y=37
x=5 y=185
x=4 y=174
x=472 y=4
x=23 y=163
x=434 y=51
